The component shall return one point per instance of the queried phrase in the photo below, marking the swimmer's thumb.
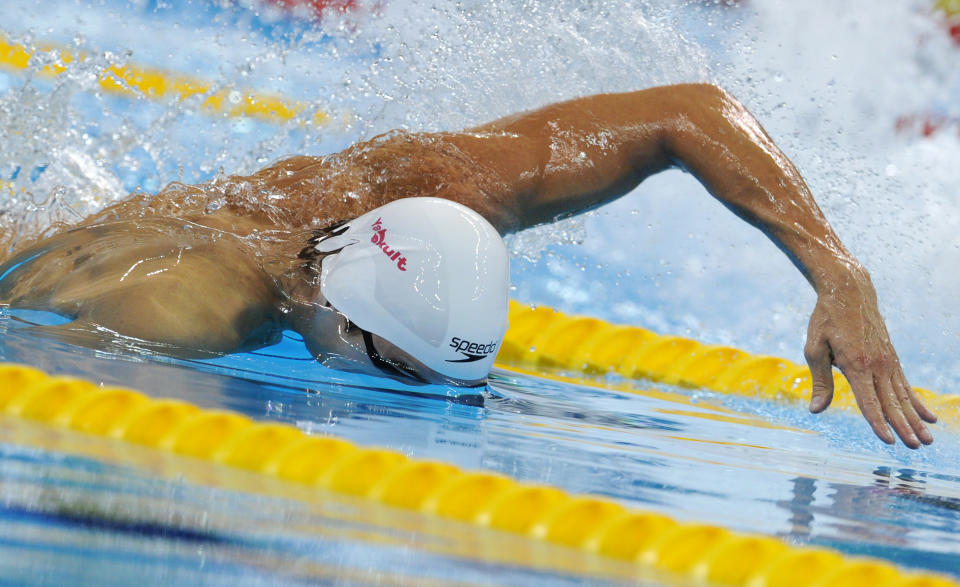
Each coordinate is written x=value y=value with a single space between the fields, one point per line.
x=821 y=371
x=822 y=392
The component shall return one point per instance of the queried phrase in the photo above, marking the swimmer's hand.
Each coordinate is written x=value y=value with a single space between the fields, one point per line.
x=847 y=330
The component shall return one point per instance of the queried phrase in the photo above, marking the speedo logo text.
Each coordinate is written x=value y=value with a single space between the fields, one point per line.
x=472 y=351
x=379 y=238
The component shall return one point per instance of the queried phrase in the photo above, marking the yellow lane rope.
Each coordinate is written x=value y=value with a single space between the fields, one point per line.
x=544 y=339
x=700 y=552
x=134 y=81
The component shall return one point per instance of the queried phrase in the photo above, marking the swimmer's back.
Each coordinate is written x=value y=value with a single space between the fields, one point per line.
x=304 y=193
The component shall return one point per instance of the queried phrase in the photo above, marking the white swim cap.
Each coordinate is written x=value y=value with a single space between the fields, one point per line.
x=429 y=275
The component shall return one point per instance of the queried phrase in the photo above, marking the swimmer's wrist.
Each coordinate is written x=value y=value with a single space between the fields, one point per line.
x=843 y=275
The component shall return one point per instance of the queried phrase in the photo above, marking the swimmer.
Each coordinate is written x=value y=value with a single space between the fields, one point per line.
x=387 y=257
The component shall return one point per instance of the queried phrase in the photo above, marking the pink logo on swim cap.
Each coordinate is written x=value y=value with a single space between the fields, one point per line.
x=379 y=238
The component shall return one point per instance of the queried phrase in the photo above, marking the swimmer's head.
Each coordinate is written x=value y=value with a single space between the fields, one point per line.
x=427 y=281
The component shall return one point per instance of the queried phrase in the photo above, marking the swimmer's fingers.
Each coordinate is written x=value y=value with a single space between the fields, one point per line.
x=922 y=410
x=884 y=398
x=869 y=400
x=819 y=358
x=894 y=410
x=910 y=412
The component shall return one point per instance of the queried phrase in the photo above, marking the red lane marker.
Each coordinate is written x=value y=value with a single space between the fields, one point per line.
x=313 y=9
x=925 y=124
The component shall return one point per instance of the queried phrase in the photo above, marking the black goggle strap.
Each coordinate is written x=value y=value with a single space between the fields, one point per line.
x=310 y=252
x=384 y=364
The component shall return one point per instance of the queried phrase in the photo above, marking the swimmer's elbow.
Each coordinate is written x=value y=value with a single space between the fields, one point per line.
x=688 y=105
x=708 y=92
x=686 y=98
x=698 y=117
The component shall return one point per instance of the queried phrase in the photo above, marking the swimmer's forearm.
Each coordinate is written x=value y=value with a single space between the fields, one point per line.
x=715 y=138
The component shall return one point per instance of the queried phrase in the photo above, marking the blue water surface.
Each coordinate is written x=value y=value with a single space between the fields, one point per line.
x=745 y=464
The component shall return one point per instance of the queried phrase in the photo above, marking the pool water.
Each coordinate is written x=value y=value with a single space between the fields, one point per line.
x=821 y=81
x=744 y=464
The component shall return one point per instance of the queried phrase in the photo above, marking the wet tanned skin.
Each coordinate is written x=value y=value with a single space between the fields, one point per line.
x=214 y=268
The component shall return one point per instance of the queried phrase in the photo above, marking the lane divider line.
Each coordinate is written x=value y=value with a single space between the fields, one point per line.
x=700 y=552
x=543 y=339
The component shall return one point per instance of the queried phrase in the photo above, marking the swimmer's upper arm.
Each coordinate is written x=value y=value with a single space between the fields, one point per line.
x=189 y=302
x=569 y=157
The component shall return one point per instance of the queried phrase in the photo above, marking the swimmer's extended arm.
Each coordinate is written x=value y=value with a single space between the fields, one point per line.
x=576 y=155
